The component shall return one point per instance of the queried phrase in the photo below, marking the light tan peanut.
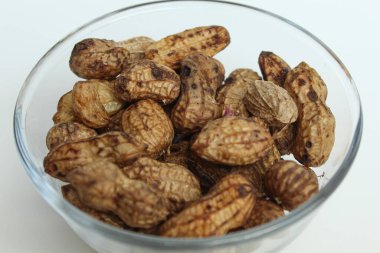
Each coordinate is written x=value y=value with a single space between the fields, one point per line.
x=136 y=47
x=226 y=207
x=71 y=195
x=98 y=59
x=271 y=103
x=233 y=141
x=315 y=134
x=284 y=138
x=65 y=111
x=171 y=50
x=115 y=147
x=102 y=186
x=94 y=101
x=148 y=123
x=290 y=184
x=231 y=94
x=305 y=85
x=148 y=79
x=201 y=76
x=173 y=181
x=273 y=68
x=67 y=132
x=264 y=211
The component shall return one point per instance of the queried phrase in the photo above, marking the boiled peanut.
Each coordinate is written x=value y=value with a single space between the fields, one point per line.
x=71 y=195
x=67 y=132
x=102 y=186
x=148 y=79
x=284 y=138
x=94 y=101
x=290 y=184
x=65 y=111
x=315 y=134
x=231 y=94
x=112 y=146
x=233 y=141
x=226 y=207
x=148 y=123
x=175 y=182
x=98 y=59
x=273 y=68
x=201 y=76
x=171 y=50
x=271 y=103
x=136 y=47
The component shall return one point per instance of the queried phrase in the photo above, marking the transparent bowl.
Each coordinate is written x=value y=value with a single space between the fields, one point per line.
x=252 y=30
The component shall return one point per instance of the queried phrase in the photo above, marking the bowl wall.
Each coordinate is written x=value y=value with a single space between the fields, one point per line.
x=252 y=31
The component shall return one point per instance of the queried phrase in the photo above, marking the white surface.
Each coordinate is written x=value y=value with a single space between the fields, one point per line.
x=347 y=222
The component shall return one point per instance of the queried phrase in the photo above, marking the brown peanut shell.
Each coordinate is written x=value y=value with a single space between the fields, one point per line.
x=273 y=68
x=264 y=211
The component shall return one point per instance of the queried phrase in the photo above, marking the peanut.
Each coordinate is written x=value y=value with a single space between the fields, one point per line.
x=233 y=141
x=65 y=111
x=136 y=47
x=175 y=182
x=290 y=184
x=148 y=123
x=67 y=132
x=201 y=76
x=102 y=186
x=271 y=103
x=98 y=59
x=171 y=50
x=231 y=94
x=273 y=68
x=71 y=195
x=224 y=208
x=284 y=138
x=94 y=101
x=112 y=146
x=148 y=79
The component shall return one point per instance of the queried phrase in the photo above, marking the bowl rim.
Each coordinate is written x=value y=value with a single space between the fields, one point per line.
x=65 y=209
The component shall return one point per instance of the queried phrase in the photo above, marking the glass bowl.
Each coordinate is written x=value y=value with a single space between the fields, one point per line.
x=252 y=30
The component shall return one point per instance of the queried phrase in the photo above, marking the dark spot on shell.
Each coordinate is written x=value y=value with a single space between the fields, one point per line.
x=312 y=95
x=242 y=191
x=84 y=44
x=185 y=72
x=203 y=47
x=139 y=84
x=309 y=144
x=301 y=82
x=190 y=35
x=172 y=52
x=305 y=158
x=60 y=174
x=194 y=86
x=157 y=73
x=193 y=49
x=208 y=207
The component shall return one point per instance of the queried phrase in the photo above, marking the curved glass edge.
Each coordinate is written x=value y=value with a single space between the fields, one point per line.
x=154 y=241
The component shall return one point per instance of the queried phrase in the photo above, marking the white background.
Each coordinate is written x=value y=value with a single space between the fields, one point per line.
x=348 y=222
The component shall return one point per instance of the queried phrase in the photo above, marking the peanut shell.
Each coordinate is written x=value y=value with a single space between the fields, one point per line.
x=115 y=147
x=290 y=184
x=264 y=211
x=67 y=132
x=65 y=111
x=102 y=186
x=136 y=47
x=284 y=138
x=315 y=134
x=173 y=181
x=233 y=141
x=171 y=50
x=273 y=68
x=201 y=76
x=148 y=123
x=94 y=101
x=98 y=59
x=231 y=94
x=271 y=103
x=224 y=208
x=148 y=79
